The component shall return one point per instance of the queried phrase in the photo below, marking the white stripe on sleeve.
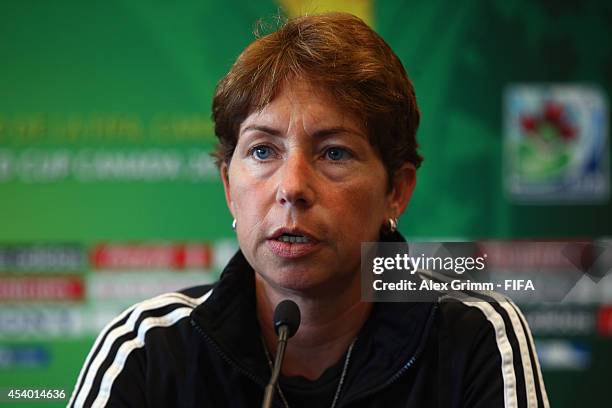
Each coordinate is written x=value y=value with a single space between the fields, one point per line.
x=126 y=348
x=503 y=345
x=134 y=314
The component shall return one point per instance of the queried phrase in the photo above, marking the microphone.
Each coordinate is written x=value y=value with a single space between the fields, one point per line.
x=286 y=323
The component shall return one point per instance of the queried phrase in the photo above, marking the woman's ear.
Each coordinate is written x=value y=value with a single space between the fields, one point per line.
x=403 y=185
x=224 y=170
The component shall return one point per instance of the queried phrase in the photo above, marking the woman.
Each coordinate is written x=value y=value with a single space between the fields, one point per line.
x=317 y=154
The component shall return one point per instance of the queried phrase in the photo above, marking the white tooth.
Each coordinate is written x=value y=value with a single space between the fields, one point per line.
x=293 y=239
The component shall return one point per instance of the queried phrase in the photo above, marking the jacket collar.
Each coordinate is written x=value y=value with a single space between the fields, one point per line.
x=389 y=339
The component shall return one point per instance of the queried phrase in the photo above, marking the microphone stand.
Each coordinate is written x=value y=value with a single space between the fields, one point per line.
x=283 y=332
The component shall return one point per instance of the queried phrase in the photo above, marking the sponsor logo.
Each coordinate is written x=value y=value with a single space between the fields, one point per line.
x=563 y=355
x=556 y=143
x=151 y=256
x=42 y=258
x=41 y=322
x=134 y=286
x=556 y=321
x=41 y=288
x=23 y=357
x=604 y=321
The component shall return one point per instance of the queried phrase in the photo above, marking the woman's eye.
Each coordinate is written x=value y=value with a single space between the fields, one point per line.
x=262 y=152
x=337 y=154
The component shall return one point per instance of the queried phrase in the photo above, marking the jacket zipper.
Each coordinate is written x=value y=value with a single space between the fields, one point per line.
x=262 y=383
x=404 y=368
x=386 y=384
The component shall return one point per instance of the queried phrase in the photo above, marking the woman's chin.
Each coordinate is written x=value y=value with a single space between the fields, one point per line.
x=302 y=284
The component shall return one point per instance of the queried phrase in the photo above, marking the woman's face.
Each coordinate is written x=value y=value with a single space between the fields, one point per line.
x=306 y=189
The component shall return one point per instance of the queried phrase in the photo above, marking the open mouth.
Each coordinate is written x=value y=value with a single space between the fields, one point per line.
x=291 y=243
x=293 y=239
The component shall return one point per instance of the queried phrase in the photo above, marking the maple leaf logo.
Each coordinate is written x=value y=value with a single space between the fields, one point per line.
x=551 y=123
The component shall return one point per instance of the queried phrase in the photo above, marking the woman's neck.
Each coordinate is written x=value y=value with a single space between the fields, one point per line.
x=328 y=326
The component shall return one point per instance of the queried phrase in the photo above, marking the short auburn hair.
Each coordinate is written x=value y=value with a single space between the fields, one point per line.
x=339 y=54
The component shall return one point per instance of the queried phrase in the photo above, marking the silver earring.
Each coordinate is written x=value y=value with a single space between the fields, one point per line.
x=234 y=224
x=392 y=224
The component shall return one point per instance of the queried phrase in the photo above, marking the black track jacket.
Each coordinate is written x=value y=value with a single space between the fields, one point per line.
x=201 y=348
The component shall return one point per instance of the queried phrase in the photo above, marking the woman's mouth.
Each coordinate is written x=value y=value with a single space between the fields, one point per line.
x=291 y=244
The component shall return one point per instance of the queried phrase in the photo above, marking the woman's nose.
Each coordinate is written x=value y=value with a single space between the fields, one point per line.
x=296 y=178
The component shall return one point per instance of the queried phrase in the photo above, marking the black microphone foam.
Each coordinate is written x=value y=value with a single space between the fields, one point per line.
x=287 y=313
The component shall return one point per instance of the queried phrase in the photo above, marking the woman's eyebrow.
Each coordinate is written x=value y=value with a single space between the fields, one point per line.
x=332 y=131
x=262 y=128
x=319 y=134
